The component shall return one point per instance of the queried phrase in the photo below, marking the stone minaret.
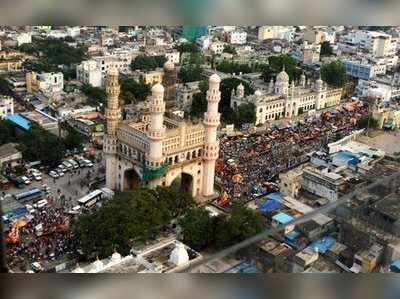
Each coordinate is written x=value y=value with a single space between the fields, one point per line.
x=240 y=91
x=156 y=131
x=211 y=145
x=113 y=116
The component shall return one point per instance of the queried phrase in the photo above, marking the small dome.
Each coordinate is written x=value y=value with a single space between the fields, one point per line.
x=282 y=77
x=179 y=256
x=158 y=88
x=240 y=87
x=169 y=66
x=97 y=266
x=258 y=93
x=116 y=257
x=78 y=269
x=215 y=78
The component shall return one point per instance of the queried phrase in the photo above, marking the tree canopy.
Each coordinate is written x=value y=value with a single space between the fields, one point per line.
x=276 y=64
x=326 y=49
x=229 y=49
x=190 y=73
x=244 y=114
x=133 y=91
x=131 y=217
x=334 y=74
x=187 y=48
x=96 y=95
x=148 y=63
x=201 y=230
x=367 y=121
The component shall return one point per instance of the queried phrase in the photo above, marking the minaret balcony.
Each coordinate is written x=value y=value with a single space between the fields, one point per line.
x=156 y=134
x=212 y=120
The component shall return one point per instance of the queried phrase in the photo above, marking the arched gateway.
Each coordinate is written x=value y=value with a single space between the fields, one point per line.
x=161 y=151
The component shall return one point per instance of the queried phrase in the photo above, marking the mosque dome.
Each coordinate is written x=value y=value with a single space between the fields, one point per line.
x=282 y=76
x=97 y=266
x=215 y=78
x=179 y=256
x=116 y=257
x=158 y=88
x=240 y=87
x=258 y=93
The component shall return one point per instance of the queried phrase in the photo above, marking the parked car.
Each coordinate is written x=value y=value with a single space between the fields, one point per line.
x=54 y=174
x=60 y=172
x=25 y=180
x=88 y=163
x=37 y=177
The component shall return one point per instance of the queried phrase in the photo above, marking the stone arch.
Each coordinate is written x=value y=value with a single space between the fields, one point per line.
x=183 y=182
x=132 y=179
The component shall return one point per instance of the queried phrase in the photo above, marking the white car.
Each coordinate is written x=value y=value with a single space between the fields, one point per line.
x=54 y=174
x=37 y=177
x=88 y=163
x=25 y=180
x=60 y=172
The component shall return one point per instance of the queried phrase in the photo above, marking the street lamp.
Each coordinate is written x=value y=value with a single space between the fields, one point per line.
x=3 y=264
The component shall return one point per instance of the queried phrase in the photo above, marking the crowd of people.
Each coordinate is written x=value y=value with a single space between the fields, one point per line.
x=43 y=238
x=259 y=158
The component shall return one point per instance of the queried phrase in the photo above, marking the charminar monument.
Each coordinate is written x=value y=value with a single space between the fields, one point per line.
x=161 y=151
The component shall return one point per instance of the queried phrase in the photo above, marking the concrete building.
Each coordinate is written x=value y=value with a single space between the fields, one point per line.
x=185 y=93
x=284 y=100
x=159 y=150
x=173 y=57
x=6 y=106
x=378 y=44
x=307 y=53
x=314 y=36
x=217 y=47
x=152 y=77
x=322 y=182
x=276 y=32
x=89 y=72
x=363 y=69
x=237 y=37
x=48 y=83
x=23 y=38
x=10 y=156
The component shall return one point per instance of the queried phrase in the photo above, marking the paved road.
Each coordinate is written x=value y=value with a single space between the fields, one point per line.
x=72 y=191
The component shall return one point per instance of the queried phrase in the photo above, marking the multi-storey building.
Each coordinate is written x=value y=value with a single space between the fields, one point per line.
x=322 y=182
x=89 y=72
x=48 y=83
x=6 y=106
x=237 y=37
x=284 y=100
x=161 y=151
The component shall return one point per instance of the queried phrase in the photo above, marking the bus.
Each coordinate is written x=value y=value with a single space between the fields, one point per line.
x=88 y=201
x=31 y=195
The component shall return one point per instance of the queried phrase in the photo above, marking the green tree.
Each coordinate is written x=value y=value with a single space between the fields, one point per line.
x=226 y=87
x=367 y=121
x=187 y=48
x=229 y=49
x=198 y=228
x=242 y=224
x=74 y=139
x=244 y=114
x=133 y=91
x=148 y=63
x=131 y=217
x=95 y=95
x=276 y=64
x=199 y=102
x=326 y=49
x=334 y=74
x=190 y=73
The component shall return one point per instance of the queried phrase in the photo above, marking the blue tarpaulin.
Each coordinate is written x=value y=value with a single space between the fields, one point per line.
x=282 y=218
x=270 y=205
x=323 y=244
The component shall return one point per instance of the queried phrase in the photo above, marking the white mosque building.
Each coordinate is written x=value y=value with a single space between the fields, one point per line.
x=285 y=100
